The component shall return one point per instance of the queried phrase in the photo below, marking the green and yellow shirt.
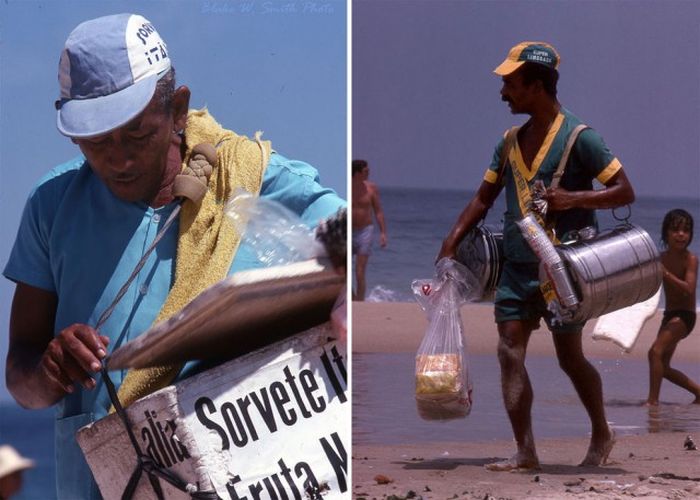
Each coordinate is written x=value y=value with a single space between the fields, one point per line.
x=590 y=159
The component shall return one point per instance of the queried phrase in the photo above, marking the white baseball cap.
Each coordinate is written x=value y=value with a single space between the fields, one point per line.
x=107 y=73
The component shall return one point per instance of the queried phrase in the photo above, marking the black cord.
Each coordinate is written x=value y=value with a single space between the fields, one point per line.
x=145 y=462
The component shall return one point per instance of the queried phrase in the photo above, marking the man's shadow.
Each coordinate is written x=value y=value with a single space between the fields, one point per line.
x=553 y=469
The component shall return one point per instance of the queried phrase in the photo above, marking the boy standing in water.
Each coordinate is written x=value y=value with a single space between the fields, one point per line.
x=680 y=268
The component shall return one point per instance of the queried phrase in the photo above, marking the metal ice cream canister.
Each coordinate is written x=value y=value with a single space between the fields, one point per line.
x=615 y=269
x=610 y=270
x=481 y=250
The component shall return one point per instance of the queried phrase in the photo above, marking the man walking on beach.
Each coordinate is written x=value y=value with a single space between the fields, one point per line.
x=525 y=160
x=365 y=200
x=89 y=223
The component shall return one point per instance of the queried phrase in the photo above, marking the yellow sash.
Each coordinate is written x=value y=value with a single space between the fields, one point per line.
x=522 y=188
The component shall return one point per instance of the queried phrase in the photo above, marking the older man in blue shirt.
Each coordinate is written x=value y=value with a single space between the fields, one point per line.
x=89 y=222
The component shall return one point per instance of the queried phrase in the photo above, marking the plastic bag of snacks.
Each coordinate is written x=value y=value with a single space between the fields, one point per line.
x=443 y=388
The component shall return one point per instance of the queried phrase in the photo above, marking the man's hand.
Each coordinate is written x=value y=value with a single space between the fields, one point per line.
x=446 y=250
x=382 y=239
x=73 y=356
x=559 y=199
x=618 y=192
x=332 y=232
x=42 y=368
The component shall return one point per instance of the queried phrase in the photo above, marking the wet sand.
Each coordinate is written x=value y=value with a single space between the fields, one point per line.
x=648 y=465
x=399 y=327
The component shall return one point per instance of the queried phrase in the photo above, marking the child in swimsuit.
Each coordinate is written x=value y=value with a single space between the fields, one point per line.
x=680 y=269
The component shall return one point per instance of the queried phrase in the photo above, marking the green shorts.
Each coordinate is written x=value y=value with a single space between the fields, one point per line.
x=518 y=297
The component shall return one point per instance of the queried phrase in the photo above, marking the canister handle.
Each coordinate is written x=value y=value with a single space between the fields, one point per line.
x=625 y=219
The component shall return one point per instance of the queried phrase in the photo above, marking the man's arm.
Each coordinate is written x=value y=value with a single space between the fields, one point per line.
x=41 y=369
x=296 y=185
x=378 y=214
x=470 y=216
x=618 y=191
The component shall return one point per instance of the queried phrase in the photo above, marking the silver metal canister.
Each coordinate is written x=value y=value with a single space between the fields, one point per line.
x=481 y=251
x=616 y=269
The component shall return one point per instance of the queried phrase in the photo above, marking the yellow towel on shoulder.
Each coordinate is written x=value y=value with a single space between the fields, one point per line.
x=207 y=241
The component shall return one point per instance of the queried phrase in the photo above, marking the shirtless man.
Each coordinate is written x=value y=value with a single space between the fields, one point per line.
x=365 y=199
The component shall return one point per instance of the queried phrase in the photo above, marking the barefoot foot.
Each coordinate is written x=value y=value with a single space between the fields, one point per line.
x=518 y=462
x=598 y=451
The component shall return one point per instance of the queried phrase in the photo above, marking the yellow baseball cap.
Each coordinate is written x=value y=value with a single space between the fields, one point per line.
x=535 y=52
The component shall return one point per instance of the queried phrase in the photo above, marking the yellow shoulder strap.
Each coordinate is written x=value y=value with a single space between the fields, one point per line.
x=508 y=143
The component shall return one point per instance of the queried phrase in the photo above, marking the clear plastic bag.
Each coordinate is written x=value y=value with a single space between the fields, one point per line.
x=277 y=235
x=443 y=387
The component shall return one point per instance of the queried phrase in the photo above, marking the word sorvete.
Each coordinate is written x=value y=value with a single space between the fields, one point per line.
x=286 y=399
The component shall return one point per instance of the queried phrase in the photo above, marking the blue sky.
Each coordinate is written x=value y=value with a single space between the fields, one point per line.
x=275 y=66
x=426 y=105
x=426 y=109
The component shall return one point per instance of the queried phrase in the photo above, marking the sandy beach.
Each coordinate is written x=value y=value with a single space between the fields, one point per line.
x=649 y=465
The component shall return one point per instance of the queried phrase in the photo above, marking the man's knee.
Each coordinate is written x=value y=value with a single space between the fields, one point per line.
x=570 y=354
x=512 y=343
x=360 y=264
x=573 y=364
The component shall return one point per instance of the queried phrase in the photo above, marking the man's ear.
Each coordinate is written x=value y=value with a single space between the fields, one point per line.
x=539 y=86
x=181 y=104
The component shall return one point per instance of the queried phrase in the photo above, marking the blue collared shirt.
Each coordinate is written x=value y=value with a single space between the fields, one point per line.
x=78 y=240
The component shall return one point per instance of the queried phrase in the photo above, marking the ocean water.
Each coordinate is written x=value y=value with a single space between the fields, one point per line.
x=384 y=408
x=418 y=220
x=383 y=383
x=383 y=399
x=31 y=433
